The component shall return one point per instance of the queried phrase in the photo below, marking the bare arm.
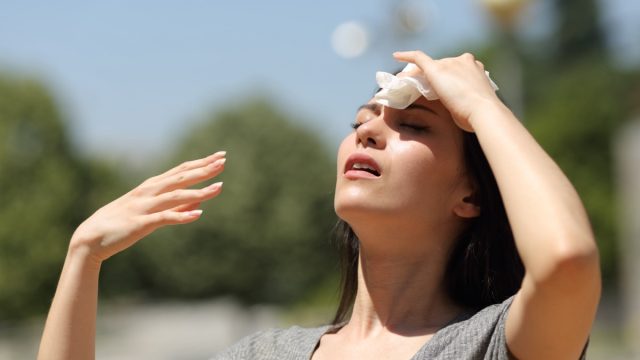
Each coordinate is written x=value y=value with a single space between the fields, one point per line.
x=69 y=332
x=553 y=312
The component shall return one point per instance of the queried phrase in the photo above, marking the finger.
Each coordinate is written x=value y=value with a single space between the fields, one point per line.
x=194 y=164
x=170 y=217
x=149 y=185
x=187 y=178
x=468 y=56
x=417 y=57
x=182 y=197
x=187 y=207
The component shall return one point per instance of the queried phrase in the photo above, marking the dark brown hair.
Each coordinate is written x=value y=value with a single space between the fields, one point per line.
x=484 y=267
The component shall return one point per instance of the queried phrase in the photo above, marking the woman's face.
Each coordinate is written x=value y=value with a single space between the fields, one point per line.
x=401 y=163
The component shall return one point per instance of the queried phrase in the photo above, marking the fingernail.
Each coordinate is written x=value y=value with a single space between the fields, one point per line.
x=220 y=153
x=217 y=163
x=194 y=213
x=215 y=186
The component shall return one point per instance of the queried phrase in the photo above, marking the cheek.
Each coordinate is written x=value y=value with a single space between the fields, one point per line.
x=412 y=171
x=423 y=174
x=412 y=160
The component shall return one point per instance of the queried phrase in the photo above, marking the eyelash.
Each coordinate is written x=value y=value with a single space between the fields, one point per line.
x=416 y=128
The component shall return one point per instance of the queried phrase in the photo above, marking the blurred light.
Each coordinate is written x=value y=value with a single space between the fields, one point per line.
x=505 y=11
x=350 y=39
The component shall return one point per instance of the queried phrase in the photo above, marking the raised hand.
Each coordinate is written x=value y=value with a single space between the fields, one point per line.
x=460 y=82
x=161 y=200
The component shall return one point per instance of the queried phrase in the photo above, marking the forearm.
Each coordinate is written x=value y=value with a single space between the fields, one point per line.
x=550 y=225
x=70 y=328
x=159 y=201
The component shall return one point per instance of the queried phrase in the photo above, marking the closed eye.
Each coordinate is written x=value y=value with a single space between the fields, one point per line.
x=355 y=125
x=414 y=127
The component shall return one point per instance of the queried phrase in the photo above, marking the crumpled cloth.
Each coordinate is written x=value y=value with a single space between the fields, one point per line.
x=399 y=93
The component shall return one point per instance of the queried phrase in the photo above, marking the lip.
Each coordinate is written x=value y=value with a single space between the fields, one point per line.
x=361 y=158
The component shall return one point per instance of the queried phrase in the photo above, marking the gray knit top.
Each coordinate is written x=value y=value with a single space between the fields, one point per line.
x=472 y=336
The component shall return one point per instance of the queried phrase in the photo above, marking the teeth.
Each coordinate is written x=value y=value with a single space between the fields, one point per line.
x=360 y=166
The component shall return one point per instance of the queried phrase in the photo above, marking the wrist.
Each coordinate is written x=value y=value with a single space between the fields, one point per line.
x=488 y=110
x=81 y=253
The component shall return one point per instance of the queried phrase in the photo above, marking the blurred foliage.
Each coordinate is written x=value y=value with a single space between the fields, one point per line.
x=578 y=33
x=44 y=194
x=266 y=237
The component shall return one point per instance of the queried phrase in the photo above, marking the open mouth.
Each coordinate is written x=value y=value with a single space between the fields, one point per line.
x=365 y=167
x=361 y=165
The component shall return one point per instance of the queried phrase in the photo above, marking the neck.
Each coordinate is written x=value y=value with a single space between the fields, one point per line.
x=400 y=287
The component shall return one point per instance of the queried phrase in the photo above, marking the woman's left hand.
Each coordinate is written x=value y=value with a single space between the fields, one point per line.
x=460 y=82
x=561 y=288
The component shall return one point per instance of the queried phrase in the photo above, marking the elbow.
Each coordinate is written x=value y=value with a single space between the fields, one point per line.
x=561 y=258
x=575 y=262
x=572 y=250
x=578 y=261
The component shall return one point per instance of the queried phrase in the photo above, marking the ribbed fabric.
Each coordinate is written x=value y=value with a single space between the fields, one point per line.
x=479 y=336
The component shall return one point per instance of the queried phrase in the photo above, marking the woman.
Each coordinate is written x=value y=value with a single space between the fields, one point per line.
x=410 y=198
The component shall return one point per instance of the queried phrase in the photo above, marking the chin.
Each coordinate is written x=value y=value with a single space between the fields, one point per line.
x=355 y=210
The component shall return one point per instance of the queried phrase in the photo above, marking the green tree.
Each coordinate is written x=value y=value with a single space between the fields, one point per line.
x=46 y=190
x=41 y=196
x=266 y=238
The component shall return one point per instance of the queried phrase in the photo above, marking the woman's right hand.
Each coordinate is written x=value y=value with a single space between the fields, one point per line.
x=158 y=201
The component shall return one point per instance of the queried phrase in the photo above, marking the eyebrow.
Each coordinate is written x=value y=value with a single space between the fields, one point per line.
x=372 y=107
x=421 y=107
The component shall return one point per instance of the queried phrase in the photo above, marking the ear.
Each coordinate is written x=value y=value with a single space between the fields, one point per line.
x=467 y=207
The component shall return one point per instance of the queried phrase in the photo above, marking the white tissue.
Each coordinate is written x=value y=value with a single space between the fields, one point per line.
x=399 y=93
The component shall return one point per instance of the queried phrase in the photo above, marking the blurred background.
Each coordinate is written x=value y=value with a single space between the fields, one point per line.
x=97 y=96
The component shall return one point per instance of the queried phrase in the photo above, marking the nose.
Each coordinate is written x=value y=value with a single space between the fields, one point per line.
x=372 y=133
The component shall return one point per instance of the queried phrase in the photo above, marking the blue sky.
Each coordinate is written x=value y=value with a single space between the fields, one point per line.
x=131 y=75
